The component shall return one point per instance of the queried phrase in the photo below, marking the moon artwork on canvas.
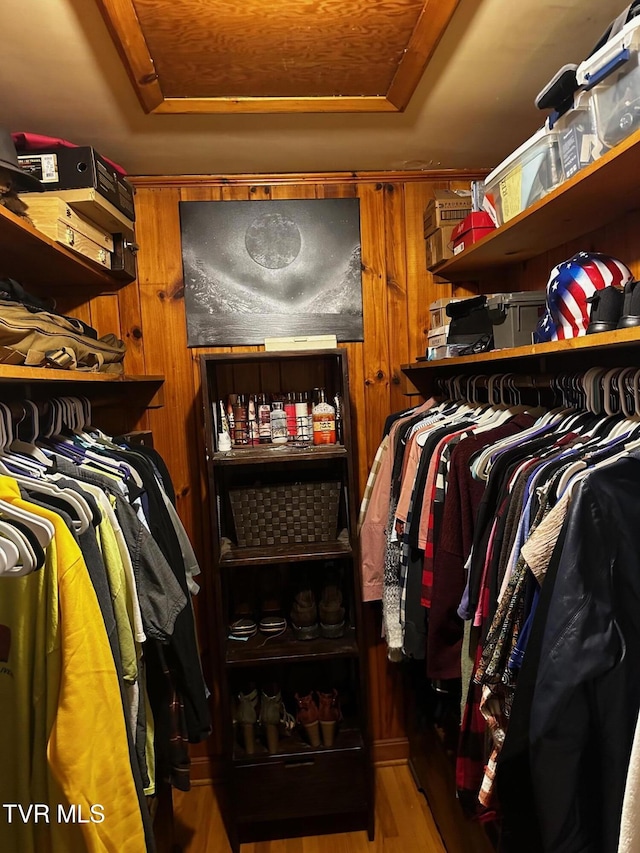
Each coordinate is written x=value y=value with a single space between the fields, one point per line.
x=273 y=241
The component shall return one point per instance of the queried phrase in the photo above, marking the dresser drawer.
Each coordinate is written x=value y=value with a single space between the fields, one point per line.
x=286 y=787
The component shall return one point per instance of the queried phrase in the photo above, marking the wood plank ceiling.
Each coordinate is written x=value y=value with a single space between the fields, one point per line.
x=261 y=56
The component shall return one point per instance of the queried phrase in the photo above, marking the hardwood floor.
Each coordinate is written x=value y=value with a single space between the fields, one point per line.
x=404 y=823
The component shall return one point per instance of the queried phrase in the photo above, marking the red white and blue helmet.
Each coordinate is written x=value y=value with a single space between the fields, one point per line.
x=570 y=285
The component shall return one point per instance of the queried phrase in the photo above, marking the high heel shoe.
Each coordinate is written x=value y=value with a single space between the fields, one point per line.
x=307 y=717
x=329 y=715
x=273 y=716
x=247 y=717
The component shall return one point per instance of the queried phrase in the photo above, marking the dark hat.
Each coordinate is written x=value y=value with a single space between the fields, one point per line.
x=23 y=181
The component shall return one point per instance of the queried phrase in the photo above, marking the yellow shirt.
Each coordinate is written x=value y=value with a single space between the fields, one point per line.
x=64 y=738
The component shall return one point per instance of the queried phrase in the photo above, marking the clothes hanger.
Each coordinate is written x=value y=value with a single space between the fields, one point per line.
x=26 y=561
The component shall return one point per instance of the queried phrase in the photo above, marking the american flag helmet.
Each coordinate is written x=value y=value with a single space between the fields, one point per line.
x=570 y=285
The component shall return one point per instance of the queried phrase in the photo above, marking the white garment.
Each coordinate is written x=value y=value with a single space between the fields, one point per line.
x=629 y=841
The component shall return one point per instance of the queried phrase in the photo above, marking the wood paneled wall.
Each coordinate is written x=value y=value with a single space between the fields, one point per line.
x=397 y=291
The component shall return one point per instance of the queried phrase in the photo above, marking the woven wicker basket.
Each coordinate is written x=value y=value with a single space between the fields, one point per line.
x=285 y=514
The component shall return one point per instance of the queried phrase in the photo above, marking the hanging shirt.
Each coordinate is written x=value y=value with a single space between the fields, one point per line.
x=65 y=740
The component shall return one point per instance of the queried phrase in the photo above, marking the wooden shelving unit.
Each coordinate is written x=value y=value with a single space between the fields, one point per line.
x=553 y=352
x=16 y=373
x=273 y=795
x=595 y=196
x=603 y=193
x=32 y=258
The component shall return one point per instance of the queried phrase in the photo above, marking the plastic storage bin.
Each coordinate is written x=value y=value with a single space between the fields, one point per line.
x=515 y=316
x=613 y=76
x=524 y=177
x=577 y=137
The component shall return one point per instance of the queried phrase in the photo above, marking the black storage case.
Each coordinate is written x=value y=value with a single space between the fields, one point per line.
x=76 y=168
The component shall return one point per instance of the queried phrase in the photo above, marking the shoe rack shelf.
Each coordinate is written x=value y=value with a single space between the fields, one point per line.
x=286 y=649
x=280 y=793
x=232 y=555
x=348 y=738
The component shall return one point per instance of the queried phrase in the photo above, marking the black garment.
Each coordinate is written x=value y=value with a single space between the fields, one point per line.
x=520 y=829
x=182 y=654
x=587 y=692
x=490 y=504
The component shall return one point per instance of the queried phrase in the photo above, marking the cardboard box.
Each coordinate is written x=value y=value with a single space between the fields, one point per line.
x=472 y=228
x=445 y=208
x=77 y=168
x=438 y=312
x=438 y=336
x=439 y=246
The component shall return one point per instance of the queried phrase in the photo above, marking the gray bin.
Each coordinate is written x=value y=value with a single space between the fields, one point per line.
x=515 y=316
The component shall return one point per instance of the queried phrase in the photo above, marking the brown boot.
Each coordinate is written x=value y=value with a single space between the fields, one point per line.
x=329 y=715
x=307 y=717
x=304 y=613
x=331 y=609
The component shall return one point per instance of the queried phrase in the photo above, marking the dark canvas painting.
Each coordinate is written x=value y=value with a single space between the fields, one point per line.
x=256 y=269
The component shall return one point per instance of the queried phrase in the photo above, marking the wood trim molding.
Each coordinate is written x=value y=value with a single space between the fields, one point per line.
x=122 y=21
x=434 y=20
x=288 y=179
x=390 y=751
x=339 y=104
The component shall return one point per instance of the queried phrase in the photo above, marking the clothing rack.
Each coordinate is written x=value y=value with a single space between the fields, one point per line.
x=47 y=483
x=479 y=483
x=600 y=389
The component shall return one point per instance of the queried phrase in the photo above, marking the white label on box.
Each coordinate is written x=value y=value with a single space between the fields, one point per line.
x=49 y=168
x=459 y=248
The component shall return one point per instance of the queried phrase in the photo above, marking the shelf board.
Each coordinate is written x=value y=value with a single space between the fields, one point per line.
x=18 y=373
x=270 y=453
x=596 y=195
x=605 y=341
x=232 y=555
x=293 y=746
x=34 y=259
x=286 y=649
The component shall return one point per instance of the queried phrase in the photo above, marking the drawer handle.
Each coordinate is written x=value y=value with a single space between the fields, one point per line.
x=306 y=762
x=71 y=237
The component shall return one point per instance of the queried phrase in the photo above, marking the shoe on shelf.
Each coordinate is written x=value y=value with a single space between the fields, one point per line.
x=329 y=715
x=330 y=607
x=307 y=717
x=243 y=625
x=247 y=717
x=274 y=716
x=272 y=621
x=304 y=612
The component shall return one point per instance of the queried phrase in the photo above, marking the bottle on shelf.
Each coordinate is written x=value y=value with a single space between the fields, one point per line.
x=240 y=420
x=290 y=411
x=324 y=419
x=252 y=422
x=278 y=423
x=264 y=419
x=303 y=425
x=337 y=402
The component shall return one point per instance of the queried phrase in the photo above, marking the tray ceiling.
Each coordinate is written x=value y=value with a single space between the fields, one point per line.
x=226 y=56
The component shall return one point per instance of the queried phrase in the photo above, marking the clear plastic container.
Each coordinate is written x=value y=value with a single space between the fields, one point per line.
x=526 y=176
x=612 y=75
x=577 y=137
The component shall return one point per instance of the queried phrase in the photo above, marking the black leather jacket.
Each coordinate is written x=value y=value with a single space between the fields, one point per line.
x=587 y=691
